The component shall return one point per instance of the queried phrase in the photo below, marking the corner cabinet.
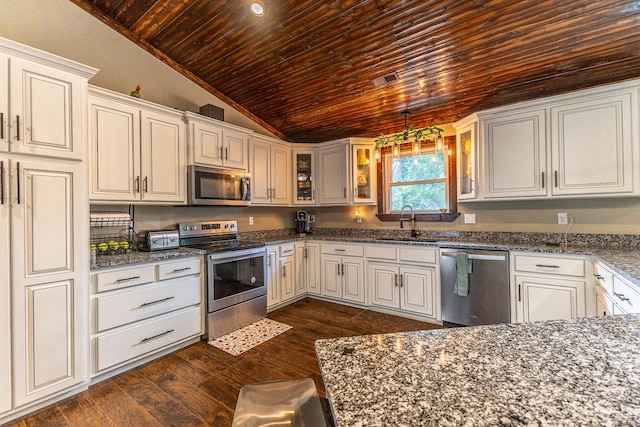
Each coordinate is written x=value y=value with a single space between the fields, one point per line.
x=347 y=172
x=270 y=168
x=304 y=176
x=466 y=152
x=216 y=144
x=137 y=150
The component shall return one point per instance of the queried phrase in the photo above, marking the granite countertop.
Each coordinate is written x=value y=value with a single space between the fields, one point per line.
x=138 y=257
x=571 y=372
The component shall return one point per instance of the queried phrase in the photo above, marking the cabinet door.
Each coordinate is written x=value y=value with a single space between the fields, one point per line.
x=466 y=158
x=280 y=175
x=384 y=285
x=4 y=104
x=206 y=144
x=333 y=175
x=591 y=143
x=300 y=277
x=287 y=278
x=235 y=150
x=46 y=111
x=273 y=285
x=544 y=298
x=353 y=280
x=312 y=268
x=515 y=155
x=5 y=294
x=364 y=175
x=260 y=177
x=162 y=147
x=331 y=279
x=114 y=152
x=50 y=277
x=304 y=177
x=418 y=290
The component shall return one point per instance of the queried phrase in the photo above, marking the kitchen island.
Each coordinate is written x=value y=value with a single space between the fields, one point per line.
x=572 y=372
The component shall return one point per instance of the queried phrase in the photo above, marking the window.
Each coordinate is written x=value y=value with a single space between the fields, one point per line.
x=425 y=182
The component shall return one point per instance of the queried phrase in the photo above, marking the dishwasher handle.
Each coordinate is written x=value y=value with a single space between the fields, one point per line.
x=477 y=257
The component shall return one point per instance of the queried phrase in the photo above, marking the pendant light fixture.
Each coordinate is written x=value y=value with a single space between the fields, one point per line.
x=410 y=135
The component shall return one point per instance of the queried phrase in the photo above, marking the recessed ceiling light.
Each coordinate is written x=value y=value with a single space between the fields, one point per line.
x=257 y=8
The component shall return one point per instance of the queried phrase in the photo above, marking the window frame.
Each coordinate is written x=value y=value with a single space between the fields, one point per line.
x=450 y=167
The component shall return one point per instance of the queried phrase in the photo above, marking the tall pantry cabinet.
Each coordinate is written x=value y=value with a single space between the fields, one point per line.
x=44 y=213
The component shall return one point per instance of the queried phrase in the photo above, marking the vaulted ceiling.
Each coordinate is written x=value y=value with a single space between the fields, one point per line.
x=305 y=69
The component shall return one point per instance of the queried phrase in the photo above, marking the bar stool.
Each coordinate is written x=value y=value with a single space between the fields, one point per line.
x=288 y=402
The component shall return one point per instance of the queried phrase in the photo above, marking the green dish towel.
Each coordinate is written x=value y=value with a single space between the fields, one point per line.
x=463 y=268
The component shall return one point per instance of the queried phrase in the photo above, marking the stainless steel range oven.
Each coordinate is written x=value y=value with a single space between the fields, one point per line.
x=236 y=271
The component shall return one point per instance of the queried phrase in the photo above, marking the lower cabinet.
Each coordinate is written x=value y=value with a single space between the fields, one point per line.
x=312 y=267
x=141 y=310
x=283 y=273
x=408 y=288
x=551 y=287
x=342 y=276
x=615 y=295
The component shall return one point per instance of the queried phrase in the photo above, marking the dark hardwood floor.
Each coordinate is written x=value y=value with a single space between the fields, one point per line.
x=199 y=385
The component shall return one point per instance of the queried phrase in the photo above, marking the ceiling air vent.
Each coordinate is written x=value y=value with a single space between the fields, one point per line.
x=379 y=81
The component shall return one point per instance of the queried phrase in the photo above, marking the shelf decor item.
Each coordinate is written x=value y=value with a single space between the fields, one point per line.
x=410 y=134
x=136 y=93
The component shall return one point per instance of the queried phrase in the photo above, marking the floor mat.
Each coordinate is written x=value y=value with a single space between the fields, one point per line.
x=241 y=340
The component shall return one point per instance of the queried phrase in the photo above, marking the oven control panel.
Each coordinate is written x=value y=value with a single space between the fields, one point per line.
x=203 y=229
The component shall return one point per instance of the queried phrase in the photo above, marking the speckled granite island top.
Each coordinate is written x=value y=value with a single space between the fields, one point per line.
x=573 y=372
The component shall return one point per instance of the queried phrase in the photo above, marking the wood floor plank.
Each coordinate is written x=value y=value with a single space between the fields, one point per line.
x=199 y=384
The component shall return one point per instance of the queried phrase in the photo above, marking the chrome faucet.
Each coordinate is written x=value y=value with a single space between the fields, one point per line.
x=414 y=229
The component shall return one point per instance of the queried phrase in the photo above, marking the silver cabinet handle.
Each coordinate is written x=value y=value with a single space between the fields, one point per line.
x=226 y=153
x=136 y=185
x=127 y=279
x=401 y=281
x=519 y=292
x=542 y=179
x=156 y=336
x=178 y=270
x=17 y=128
x=555 y=178
x=144 y=185
x=547 y=266
x=340 y=250
x=1 y=125
x=621 y=297
x=395 y=280
x=156 y=302
x=18 y=180
x=221 y=156
x=2 y=182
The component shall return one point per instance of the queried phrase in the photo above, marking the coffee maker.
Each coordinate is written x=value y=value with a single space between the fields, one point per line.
x=303 y=222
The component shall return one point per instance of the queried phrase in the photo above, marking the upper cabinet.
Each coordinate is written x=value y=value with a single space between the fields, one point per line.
x=591 y=143
x=466 y=149
x=137 y=150
x=270 y=168
x=216 y=144
x=42 y=103
x=304 y=176
x=342 y=180
x=515 y=155
x=581 y=144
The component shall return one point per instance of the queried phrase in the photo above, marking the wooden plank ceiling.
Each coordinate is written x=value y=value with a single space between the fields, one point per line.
x=304 y=70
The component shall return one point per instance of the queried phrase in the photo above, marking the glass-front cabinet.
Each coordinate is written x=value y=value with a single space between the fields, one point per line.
x=364 y=175
x=304 y=177
x=466 y=148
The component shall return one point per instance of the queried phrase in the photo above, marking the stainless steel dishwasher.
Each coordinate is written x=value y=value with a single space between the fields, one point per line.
x=487 y=301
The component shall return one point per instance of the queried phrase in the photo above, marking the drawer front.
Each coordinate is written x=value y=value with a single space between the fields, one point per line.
x=287 y=249
x=126 y=344
x=340 y=249
x=110 y=280
x=171 y=270
x=626 y=295
x=381 y=252
x=549 y=265
x=127 y=307
x=418 y=255
x=604 y=278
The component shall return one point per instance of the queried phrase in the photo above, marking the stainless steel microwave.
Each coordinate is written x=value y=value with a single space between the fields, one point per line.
x=209 y=186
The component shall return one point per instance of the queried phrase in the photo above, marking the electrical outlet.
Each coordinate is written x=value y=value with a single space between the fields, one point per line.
x=469 y=218
x=563 y=218
x=250 y=220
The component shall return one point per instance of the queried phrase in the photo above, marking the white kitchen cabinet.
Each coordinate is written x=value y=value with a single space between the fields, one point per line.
x=364 y=175
x=139 y=311
x=5 y=291
x=550 y=287
x=286 y=271
x=591 y=145
x=333 y=186
x=273 y=288
x=408 y=288
x=615 y=294
x=312 y=268
x=466 y=157
x=270 y=168
x=300 y=264
x=43 y=113
x=47 y=206
x=283 y=273
x=304 y=176
x=216 y=144
x=342 y=274
x=515 y=155
x=137 y=150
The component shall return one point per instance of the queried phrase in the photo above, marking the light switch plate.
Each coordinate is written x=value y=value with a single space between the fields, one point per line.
x=469 y=218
